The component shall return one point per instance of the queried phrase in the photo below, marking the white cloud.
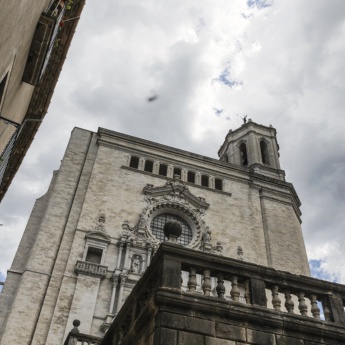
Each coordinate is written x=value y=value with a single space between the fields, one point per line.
x=288 y=57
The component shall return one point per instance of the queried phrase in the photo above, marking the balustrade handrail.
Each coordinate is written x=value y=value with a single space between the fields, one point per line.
x=73 y=338
x=171 y=259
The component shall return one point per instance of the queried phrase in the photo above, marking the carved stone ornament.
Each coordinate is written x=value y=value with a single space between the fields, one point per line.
x=173 y=197
x=101 y=223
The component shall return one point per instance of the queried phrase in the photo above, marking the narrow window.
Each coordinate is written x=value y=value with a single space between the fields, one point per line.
x=191 y=177
x=264 y=152
x=243 y=155
x=204 y=180
x=218 y=184
x=94 y=255
x=163 y=169
x=2 y=87
x=148 y=166
x=177 y=171
x=226 y=158
x=134 y=163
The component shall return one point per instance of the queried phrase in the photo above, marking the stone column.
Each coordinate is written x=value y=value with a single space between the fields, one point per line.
x=119 y=257
x=123 y=279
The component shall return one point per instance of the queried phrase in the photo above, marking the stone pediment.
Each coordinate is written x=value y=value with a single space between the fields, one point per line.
x=173 y=190
x=97 y=235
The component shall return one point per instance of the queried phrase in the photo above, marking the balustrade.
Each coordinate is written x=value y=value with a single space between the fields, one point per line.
x=90 y=268
x=229 y=282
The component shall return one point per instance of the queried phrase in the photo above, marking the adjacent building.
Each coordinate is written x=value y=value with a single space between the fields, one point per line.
x=35 y=37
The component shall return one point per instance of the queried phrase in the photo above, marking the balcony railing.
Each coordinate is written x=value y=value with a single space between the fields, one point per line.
x=91 y=269
x=292 y=299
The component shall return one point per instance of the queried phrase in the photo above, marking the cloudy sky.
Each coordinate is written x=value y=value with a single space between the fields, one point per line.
x=280 y=62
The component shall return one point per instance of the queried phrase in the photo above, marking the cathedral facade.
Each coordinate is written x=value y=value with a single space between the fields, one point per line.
x=91 y=237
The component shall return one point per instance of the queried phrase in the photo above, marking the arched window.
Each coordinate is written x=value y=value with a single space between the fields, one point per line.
x=191 y=177
x=134 y=163
x=148 y=166
x=264 y=152
x=159 y=221
x=163 y=169
x=177 y=171
x=204 y=180
x=218 y=184
x=243 y=155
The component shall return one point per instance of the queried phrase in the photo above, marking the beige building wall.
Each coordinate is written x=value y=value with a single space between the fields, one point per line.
x=18 y=20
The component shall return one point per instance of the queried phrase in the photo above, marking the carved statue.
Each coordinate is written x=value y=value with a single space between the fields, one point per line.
x=101 y=222
x=142 y=221
x=135 y=268
x=207 y=235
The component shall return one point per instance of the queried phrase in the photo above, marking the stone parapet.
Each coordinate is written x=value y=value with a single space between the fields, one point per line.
x=280 y=308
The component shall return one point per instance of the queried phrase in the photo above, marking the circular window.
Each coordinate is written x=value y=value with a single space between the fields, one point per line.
x=157 y=225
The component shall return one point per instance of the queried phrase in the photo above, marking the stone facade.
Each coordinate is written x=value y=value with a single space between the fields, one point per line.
x=92 y=236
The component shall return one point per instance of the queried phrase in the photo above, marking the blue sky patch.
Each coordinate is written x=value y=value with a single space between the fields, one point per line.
x=318 y=272
x=2 y=279
x=259 y=3
x=224 y=78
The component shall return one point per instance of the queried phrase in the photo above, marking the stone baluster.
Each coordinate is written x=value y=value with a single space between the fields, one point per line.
x=302 y=306
x=326 y=309
x=220 y=286
x=206 y=286
x=192 y=280
x=235 y=291
x=289 y=304
x=314 y=308
x=247 y=292
x=276 y=302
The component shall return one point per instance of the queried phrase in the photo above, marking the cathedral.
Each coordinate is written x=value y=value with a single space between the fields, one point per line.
x=95 y=257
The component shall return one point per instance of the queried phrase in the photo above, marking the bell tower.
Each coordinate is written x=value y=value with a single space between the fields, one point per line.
x=253 y=146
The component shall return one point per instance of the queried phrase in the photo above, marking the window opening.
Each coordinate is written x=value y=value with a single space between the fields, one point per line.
x=2 y=86
x=218 y=184
x=163 y=169
x=191 y=177
x=177 y=171
x=134 y=163
x=243 y=155
x=94 y=255
x=148 y=166
x=159 y=221
x=264 y=152
x=204 y=180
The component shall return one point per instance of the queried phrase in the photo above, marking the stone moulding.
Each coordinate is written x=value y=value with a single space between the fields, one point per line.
x=91 y=269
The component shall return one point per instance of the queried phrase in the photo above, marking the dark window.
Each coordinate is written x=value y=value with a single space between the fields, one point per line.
x=159 y=221
x=226 y=158
x=264 y=152
x=134 y=163
x=177 y=171
x=218 y=184
x=2 y=86
x=204 y=180
x=163 y=169
x=191 y=177
x=94 y=255
x=148 y=166
x=243 y=155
